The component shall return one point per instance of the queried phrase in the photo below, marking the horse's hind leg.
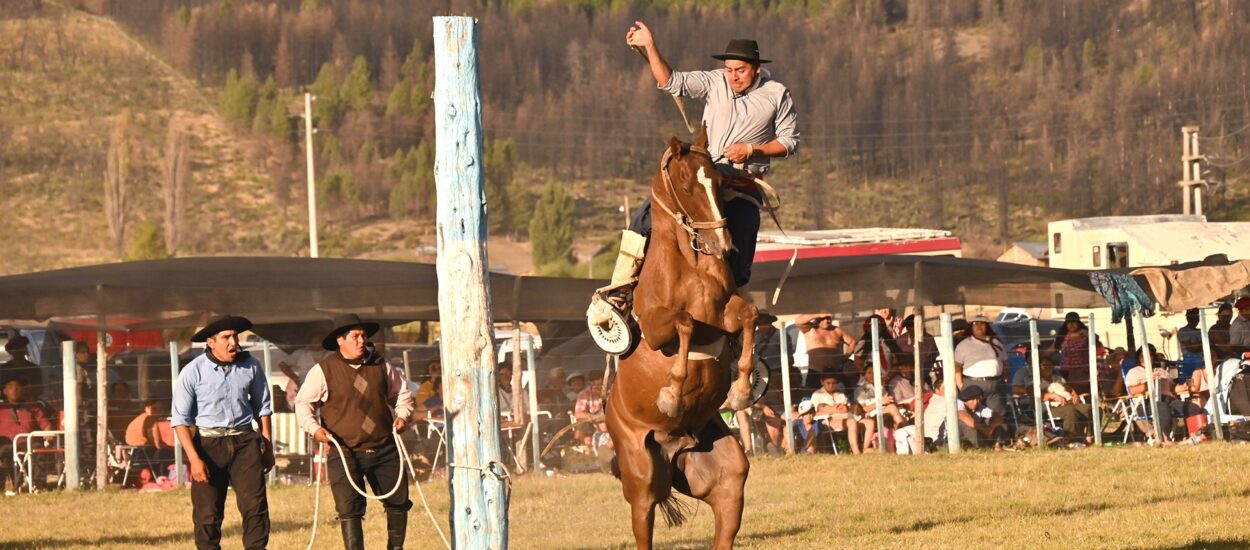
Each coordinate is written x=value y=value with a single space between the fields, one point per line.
x=670 y=399
x=742 y=314
x=716 y=473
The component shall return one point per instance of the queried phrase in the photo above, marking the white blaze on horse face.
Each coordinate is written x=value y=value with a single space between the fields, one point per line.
x=711 y=200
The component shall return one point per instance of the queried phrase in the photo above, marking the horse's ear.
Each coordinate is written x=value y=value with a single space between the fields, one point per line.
x=701 y=141
x=674 y=146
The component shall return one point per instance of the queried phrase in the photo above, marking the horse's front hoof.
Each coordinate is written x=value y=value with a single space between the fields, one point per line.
x=668 y=402
x=739 y=397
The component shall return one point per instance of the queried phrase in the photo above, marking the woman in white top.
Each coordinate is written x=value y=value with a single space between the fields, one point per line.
x=979 y=361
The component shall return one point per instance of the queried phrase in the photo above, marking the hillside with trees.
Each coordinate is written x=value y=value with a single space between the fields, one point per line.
x=984 y=117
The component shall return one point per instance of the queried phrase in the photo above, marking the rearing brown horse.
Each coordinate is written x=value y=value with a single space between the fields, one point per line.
x=662 y=407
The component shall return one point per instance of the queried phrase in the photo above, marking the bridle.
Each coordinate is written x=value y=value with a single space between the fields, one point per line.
x=698 y=242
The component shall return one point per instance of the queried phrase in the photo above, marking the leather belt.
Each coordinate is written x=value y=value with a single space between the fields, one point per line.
x=224 y=432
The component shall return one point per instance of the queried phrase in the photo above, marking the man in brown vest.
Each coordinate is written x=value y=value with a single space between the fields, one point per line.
x=362 y=398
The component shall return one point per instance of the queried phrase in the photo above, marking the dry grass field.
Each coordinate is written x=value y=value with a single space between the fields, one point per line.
x=1180 y=497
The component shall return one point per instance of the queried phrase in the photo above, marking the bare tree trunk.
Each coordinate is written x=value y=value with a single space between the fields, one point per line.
x=116 y=174
x=177 y=174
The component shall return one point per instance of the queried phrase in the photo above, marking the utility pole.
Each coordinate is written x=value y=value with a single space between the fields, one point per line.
x=1191 y=179
x=312 y=180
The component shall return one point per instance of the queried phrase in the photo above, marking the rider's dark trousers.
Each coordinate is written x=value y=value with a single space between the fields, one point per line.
x=376 y=468
x=742 y=219
x=233 y=461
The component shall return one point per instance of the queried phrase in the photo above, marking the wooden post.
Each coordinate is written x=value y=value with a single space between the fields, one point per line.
x=1037 y=385
x=1095 y=394
x=145 y=388
x=917 y=332
x=69 y=392
x=479 y=507
x=785 y=389
x=102 y=411
x=1151 y=392
x=946 y=347
x=407 y=367
x=312 y=180
x=173 y=383
x=1212 y=384
x=876 y=383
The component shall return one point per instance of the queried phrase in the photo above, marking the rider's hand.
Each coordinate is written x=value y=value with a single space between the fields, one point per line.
x=322 y=436
x=738 y=153
x=199 y=470
x=639 y=36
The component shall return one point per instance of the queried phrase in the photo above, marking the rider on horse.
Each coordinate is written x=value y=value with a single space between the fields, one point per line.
x=749 y=118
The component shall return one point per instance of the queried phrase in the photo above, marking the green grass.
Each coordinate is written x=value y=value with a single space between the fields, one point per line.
x=1180 y=497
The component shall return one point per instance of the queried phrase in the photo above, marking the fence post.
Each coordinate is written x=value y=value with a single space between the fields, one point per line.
x=69 y=392
x=102 y=410
x=785 y=388
x=876 y=382
x=477 y=478
x=1212 y=383
x=173 y=382
x=1095 y=394
x=273 y=472
x=917 y=332
x=946 y=347
x=536 y=432
x=1037 y=385
x=1148 y=364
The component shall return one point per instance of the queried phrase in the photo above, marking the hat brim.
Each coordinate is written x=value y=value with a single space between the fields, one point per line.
x=237 y=324
x=736 y=57
x=331 y=341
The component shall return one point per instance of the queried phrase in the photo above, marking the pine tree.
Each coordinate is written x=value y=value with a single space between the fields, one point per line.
x=357 y=90
x=551 y=227
x=239 y=99
x=147 y=243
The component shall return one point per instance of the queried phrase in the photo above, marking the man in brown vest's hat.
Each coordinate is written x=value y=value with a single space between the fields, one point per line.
x=362 y=398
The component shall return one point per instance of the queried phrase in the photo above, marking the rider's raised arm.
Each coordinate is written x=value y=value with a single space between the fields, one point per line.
x=694 y=84
x=639 y=37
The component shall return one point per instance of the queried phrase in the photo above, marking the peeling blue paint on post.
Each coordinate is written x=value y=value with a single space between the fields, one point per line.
x=479 y=517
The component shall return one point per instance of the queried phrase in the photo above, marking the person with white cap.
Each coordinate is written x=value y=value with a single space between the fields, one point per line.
x=979 y=361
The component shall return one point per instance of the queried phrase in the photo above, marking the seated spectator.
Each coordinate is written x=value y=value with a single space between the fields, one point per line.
x=552 y=398
x=18 y=347
x=806 y=428
x=900 y=388
x=142 y=430
x=18 y=416
x=834 y=410
x=979 y=425
x=935 y=413
x=1136 y=385
x=120 y=409
x=432 y=385
x=866 y=398
x=1073 y=415
x=573 y=386
x=508 y=399
x=589 y=406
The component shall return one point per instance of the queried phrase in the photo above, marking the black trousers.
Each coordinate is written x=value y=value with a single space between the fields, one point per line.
x=233 y=461
x=378 y=468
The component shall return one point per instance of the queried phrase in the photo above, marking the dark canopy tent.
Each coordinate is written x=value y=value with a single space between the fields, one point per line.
x=181 y=291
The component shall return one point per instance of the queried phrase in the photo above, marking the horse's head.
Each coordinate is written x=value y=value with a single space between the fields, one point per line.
x=687 y=187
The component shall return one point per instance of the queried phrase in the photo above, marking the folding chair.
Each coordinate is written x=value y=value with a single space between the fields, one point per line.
x=24 y=456
x=435 y=426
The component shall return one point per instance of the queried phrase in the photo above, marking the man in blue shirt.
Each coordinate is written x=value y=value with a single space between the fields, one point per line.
x=219 y=394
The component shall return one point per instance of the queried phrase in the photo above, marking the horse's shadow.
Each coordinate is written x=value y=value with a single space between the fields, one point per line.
x=141 y=540
x=702 y=543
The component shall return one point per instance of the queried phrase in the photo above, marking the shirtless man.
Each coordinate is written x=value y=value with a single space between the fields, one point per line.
x=824 y=341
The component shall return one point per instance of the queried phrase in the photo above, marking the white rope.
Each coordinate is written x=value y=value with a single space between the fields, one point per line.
x=403 y=451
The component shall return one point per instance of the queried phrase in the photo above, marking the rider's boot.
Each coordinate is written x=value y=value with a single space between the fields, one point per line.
x=619 y=293
x=353 y=534
x=396 y=528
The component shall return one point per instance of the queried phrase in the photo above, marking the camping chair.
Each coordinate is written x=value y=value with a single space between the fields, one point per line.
x=25 y=452
x=435 y=426
x=1224 y=373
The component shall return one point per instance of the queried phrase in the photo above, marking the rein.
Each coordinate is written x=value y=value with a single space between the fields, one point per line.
x=698 y=242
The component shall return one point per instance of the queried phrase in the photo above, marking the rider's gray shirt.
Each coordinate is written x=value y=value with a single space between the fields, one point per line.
x=763 y=113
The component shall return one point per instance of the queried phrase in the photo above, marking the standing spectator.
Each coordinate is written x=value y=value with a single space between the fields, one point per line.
x=824 y=340
x=142 y=430
x=863 y=348
x=121 y=409
x=363 y=401
x=296 y=366
x=1189 y=338
x=979 y=362
x=17 y=416
x=20 y=365
x=890 y=321
x=220 y=393
x=836 y=411
x=1073 y=345
x=1221 y=350
x=960 y=330
x=906 y=342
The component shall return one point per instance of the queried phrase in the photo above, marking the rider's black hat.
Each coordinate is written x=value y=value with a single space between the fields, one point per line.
x=742 y=49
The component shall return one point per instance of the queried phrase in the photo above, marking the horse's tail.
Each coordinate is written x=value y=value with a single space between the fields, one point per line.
x=675 y=510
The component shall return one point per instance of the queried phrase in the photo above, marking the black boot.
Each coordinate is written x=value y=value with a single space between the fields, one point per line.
x=353 y=534
x=396 y=528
